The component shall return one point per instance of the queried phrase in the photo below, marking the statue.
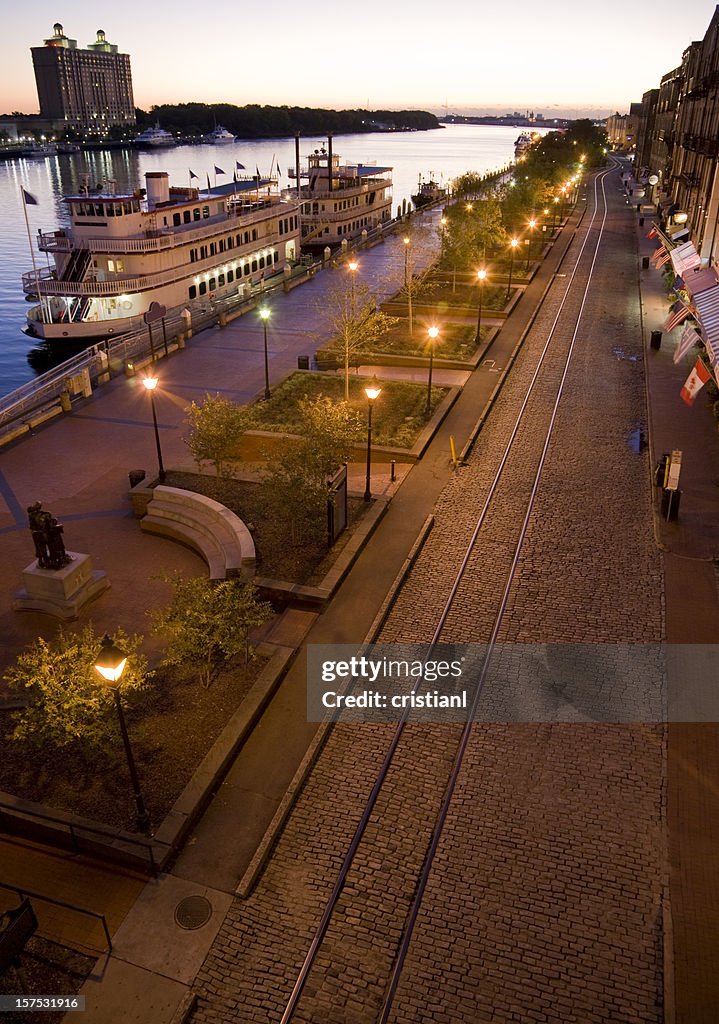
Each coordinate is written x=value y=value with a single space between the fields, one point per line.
x=47 y=536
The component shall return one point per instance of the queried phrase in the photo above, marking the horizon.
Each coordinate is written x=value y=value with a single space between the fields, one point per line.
x=517 y=69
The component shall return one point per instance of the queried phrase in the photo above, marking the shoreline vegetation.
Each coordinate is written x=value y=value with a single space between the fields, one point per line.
x=266 y=122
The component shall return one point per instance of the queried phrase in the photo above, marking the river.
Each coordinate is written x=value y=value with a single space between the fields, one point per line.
x=442 y=154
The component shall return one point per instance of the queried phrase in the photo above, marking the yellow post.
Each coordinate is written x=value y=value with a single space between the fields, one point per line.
x=453 y=450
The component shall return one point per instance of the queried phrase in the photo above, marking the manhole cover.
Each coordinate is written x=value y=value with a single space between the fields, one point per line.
x=193 y=912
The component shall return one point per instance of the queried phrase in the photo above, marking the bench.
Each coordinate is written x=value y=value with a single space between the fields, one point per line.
x=205 y=525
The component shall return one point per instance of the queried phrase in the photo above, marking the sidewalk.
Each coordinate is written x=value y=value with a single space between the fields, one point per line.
x=690 y=546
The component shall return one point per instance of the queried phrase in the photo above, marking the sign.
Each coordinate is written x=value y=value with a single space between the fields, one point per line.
x=155 y=312
x=653 y=179
x=675 y=468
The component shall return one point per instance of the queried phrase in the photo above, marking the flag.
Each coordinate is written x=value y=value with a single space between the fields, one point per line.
x=209 y=187
x=689 y=338
x=257 y=171
x=218 y=170
x=193 y=175
x=660 y=257
x=29 y=198
x=279 y=172
x=653 y=232
x=239 y=166
x=695 y=382
x=677 y=313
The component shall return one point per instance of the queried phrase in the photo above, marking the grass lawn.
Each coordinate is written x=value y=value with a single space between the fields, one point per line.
x=441 y=291
x=398 y=415
x=455 y=341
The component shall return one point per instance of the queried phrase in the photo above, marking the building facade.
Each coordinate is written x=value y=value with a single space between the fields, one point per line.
x=88 y=90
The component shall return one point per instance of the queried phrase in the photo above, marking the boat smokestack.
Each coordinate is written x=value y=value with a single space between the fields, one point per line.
x=297 y=162
x=329 y=161
x=157 y=184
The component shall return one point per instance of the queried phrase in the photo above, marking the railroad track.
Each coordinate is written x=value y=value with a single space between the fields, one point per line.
x=363 y=937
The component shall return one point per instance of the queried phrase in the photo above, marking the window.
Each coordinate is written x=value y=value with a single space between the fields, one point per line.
x=205 y=212
x=212 y=284
x=193 y=255
x=127 y=208
x=230 y=276
x=247 y=237
x=220 y=279
x=213 y=249
x=176 y=219
x=254 y=234
x=192 y=291
x=196 y=213
x=275 y=257
x=222 y=245
x=186 y=217
x=109 y=210
x=254 y=265
x=203 y=287
x=262 y=262
x=246 y=269
x=230 y=242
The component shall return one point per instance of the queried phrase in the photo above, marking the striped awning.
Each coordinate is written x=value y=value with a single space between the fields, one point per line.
x=696 y=281
x=685 y=257
x=707 y=307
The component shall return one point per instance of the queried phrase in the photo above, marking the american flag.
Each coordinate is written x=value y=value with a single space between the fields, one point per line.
x=688 y=340
x=660 y=257
x=677 y=313
x=653 y=232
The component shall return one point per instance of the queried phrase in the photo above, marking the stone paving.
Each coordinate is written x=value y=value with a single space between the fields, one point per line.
x=545 y=901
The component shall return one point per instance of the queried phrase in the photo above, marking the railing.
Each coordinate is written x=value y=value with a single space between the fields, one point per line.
x=22 y=893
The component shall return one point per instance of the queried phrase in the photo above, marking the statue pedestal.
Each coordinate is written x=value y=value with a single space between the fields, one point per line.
x=61 y=592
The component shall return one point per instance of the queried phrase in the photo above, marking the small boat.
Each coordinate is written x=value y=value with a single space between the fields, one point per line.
x=155 y=138
x=428 y=192
x=219 y=136
x=40 y=151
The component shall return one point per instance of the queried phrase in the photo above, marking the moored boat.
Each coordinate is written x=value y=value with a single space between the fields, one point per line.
x=428 y=192
x=155 y=138
x=341 y=200
x=174 y=246
x=219 y=136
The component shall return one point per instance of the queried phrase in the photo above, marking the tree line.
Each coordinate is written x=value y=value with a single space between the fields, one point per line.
x=262 y=122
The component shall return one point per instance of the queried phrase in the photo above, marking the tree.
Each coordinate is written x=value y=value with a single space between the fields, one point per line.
x=67 y=699
x=208 y=622
x=215 y=427
x=350 y=311
x=472 y=230
x=296 y=478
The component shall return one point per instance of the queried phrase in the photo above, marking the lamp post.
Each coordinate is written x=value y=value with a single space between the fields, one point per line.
x=531 y=226
x=554 y=213
x=353 y=267
x=150 y=385
x=513 y=243
x=372 y=392
x=481 y=277
x=110 y=664
x=433 y=333
x=265 y=314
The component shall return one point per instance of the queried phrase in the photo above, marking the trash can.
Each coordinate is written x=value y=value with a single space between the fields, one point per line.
x=645 y=263
x=656 y=340
x=303 y=362
x=136 y=476
x=670 y=504
x=641 y=222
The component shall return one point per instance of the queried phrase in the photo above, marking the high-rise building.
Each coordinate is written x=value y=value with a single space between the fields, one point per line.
x=89 y=90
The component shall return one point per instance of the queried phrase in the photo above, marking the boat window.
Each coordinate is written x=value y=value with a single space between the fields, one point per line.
x=196 y=213
x=262 y=262
x=203 y=252
x=212 y=284
x=230 y=242
x=213 y=249
x=221 y=243
x=193 y=255
x=109 y=210
x=254 y=265
x=230 y=276
x=239 y=239
x=127 y=208
x=205 y=212
x=246 y=269
x=276 y=257
x=203 y=287
x=247 y=236
x=220 y=279
x=79 y=209
x=254 y=234
x=281 y=228
x=176 y=219
x=192 y=291
x=118 y=209
x=186 y=216
x=111 y=266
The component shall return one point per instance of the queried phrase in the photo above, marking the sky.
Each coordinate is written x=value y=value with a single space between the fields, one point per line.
x=460 y=56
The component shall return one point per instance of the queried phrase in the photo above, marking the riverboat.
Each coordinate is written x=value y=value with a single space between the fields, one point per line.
x=340 y=200
x=522 y=144
x=428 y=192
x=155 y=138
x=179 y=247
x=219 y=136
x=39 y=151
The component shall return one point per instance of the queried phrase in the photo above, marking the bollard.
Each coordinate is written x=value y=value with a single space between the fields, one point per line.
x=645 y=263
x=65 y=401
x=656 y=340
x=129 y=369
x=393 y=470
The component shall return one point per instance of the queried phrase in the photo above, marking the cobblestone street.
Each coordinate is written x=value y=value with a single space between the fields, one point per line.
x=545 y=902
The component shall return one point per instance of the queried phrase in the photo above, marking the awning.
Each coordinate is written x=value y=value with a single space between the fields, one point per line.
x=707 y=307
x=677 y=236
x=685 y=257
x=696 y=281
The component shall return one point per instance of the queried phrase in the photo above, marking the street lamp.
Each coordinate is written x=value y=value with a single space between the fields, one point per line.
x=353 y=267
x=481 y=277
x=433 y=333
x=150 y=385
x=554 y=212
x=265 y=315
x=110 y=664
x=531 y=226
x=513 y=243
x=372 y=392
